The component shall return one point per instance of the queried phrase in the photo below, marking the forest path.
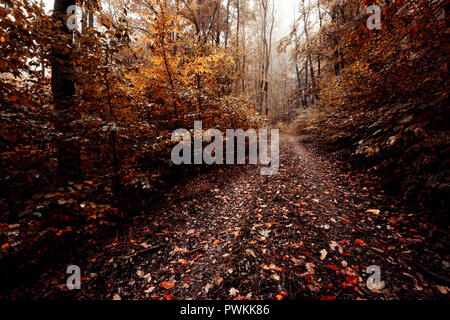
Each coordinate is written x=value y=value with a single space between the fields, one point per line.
x=304 y=233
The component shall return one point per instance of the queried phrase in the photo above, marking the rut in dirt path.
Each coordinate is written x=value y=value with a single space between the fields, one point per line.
x=305 y=233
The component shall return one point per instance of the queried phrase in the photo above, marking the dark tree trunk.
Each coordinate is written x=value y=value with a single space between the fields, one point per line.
x=63 y=90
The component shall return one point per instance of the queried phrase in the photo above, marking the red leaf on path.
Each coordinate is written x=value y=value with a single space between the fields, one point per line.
x=333 y=267
x=352 y=280
x=347 y=254
x=198 y=255
x=381 y=244
x=328 y=286
x=167 y=284
x=359 y=241
x=329 y=298
x=166 y=231
x=168 y=296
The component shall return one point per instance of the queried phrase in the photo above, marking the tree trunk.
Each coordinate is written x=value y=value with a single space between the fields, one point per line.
x=63 y=90
x=227 y=23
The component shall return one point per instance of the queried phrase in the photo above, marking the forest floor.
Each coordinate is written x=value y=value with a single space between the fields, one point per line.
x=309 y=232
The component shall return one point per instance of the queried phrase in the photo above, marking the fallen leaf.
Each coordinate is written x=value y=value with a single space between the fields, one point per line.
x=208 y=287
x=140 y=273
x=168 y=295
x=149 y=290
x=274 y=267
x=219 y=281
x=310 y=268
x=333 y=267
x=167 y=284
x=296 y=262
x=264 y=233
x=233 y=292
x=333 y=246
x=443 y=290
x=323 y=254
x=352 y=280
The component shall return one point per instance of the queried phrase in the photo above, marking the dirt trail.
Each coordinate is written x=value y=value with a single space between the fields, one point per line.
x=234 y=234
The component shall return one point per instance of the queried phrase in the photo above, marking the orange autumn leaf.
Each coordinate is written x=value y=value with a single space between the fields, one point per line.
x=167 y=284
x=168 y=296
x=272 y=267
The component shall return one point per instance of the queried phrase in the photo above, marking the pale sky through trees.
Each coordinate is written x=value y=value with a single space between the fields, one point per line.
x=284 y=14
